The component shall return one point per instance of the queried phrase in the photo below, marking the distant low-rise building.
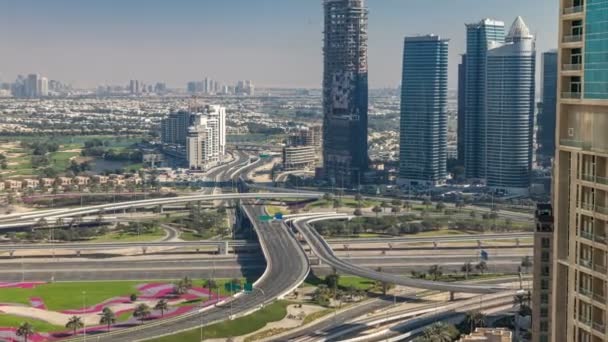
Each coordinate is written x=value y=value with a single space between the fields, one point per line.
x=299 y=158
x=489 y=335
x=13 y=185
x=31 y=183
x=101 y=179
x=64 y=181
x=47 y=182
x=81 y=180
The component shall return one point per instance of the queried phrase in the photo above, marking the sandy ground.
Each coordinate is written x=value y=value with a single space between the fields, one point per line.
x=264 y=178
x=294 y=319
x=58 y=318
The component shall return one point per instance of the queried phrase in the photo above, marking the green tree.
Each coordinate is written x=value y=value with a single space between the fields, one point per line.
x=108 y=317
x=142 y=311
x=395 y=210
x=74 y=323
x=377 y=210
x=482 y=267
x=526 y=263
x=25 y=330
x=162 y=306
x=474 y=319
x=332 y=281
x=435 y=271
x=467 y=268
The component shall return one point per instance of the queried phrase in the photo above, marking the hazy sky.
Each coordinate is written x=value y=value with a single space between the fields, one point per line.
x=273 y=42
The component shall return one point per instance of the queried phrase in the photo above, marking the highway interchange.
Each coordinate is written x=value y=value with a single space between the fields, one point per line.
x=283 y=266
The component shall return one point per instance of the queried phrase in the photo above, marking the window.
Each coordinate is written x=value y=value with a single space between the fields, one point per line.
x=544 y=256
x=544 y=312
x=546 y=243
x=544 y=298
x=545 y=271
x=544 y=284
x=544 y=326
x=544 y=338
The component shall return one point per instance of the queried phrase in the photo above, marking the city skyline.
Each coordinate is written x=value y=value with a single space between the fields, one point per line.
x=112 y=42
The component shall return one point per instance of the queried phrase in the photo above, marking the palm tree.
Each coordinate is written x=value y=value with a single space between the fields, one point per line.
x=25 y=330
x=474 y=319
x=435 y=272
x=107 y=317
x=377 y=210
x=142 y=311
x=74 y=323
x=395 y=210
x=467 y=268
x=162 y=306
x=439 y=332
x=211 y=285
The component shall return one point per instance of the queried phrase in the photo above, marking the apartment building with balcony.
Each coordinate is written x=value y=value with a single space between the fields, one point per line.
x=580 y=268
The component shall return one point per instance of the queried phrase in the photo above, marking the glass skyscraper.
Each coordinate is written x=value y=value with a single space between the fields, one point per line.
x=345 y=92
x=548 y=110
x=509 y=96
x=424 y=88
x=479 y=38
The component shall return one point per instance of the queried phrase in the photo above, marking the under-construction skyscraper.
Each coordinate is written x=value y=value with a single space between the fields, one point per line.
x=345 y=92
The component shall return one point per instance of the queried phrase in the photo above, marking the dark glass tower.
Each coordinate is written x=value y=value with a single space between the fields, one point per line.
x=480 y=36
x=548 y=114
x=424 y=93
x=345 y=92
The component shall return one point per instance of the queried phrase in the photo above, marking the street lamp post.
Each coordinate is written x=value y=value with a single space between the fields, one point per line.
x=84 y=307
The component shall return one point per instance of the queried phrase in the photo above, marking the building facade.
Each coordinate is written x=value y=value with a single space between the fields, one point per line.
x=543 y=273
x=479 y=38
x=299 y=158
x=462 y=95
x=548 y=108
x=424 y=92
x=345 y=92
x=200 y=135
x=509 y=111
x=580 y=198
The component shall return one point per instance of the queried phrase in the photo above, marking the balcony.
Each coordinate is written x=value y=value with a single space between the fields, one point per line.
x=574 y=38
x=572 y=143
x=572 y=96
x=599 y=326
x=600 y=268
x=585 y=263
x=592 y=178
x=573 y=10
x=572 y=67
x=586 y=206
x=585 y=292
x=586 y=235
x=599 y=298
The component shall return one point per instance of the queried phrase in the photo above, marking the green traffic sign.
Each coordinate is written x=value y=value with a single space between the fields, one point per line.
x=248 y=287
x=266 y=218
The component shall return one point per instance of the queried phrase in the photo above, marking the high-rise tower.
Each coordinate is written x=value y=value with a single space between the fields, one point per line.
x=547 y=116
x=509 y=111
x=345 y=92
x=424 y=93
x=580 y=191
x=479 y=38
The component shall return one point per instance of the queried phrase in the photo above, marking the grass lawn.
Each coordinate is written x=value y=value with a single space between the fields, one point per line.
x=61 y=160
x=238 y=327
x=346 y=202
x=10 y=321
x=440 y=232
x=129 y=237
x=66 y=296
x=356 y=282
x=273 y=209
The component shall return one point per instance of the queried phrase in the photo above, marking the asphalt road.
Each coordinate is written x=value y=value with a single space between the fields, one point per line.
x=325 y=253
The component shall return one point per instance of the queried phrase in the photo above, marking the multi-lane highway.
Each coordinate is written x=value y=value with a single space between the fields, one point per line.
x=322 y=249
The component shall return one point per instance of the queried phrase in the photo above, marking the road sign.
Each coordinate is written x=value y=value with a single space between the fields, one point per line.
x=231 y=287
x=248 y=287
x=483 y=255
x=278 y=216
x=266 y=218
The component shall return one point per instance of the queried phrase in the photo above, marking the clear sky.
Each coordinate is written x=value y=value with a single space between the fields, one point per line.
x=273 y=42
